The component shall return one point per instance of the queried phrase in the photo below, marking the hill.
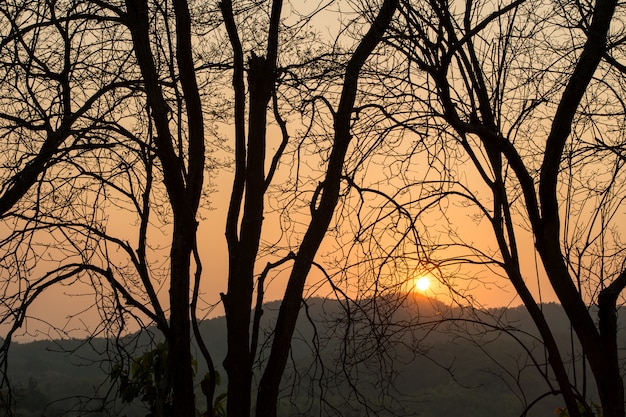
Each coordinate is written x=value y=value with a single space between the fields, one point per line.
x=409 y=356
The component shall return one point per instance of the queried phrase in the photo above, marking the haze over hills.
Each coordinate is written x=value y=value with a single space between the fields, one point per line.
x=410 y=356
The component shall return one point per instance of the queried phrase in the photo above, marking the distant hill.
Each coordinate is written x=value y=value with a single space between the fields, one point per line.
x=403 y=355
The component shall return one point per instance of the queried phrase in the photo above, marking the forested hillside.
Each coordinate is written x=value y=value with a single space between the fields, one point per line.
x=449 y=366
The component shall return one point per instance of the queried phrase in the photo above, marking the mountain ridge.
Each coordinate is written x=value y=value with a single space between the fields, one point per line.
x=391 y=359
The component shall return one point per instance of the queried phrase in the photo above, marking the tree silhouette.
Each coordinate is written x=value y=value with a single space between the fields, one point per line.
x=508 y=100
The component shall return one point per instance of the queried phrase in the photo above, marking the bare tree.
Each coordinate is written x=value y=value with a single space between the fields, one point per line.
x=245 y=218
x=517 y=109
x=65 y=141
x=79 y=141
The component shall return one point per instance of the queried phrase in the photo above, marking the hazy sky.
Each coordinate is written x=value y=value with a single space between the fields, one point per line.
x=488 y=290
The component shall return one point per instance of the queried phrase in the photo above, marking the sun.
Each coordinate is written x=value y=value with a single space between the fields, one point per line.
x=422 y=284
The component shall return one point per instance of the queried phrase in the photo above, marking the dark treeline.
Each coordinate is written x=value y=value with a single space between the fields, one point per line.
x=447 y=372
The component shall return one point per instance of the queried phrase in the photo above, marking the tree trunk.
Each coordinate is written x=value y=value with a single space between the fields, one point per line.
x=183 y=188
x=238 y=364
x=267 y=398
x=598 y=346
x=243 y=250
x=248 y=189
x=611 y=385
x=179 y=355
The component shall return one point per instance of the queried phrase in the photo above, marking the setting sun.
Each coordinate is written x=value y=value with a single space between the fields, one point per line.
x=422 y=284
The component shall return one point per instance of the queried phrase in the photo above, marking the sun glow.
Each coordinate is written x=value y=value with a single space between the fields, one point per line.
x=422 y=284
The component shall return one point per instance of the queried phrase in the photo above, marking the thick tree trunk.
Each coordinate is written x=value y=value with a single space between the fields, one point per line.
x=243 y=250
x=248 y=190
x=270 y=382
x=179 y=355
x=241 y=254
x=184 y=186
x=597 y=344
x=238 y=363
x=611 y=385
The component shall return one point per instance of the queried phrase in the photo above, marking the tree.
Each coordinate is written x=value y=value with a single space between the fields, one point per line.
x=58 y=47
x=525 y=94
x=246 y=211
x=63 y=108
x=183 y=178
